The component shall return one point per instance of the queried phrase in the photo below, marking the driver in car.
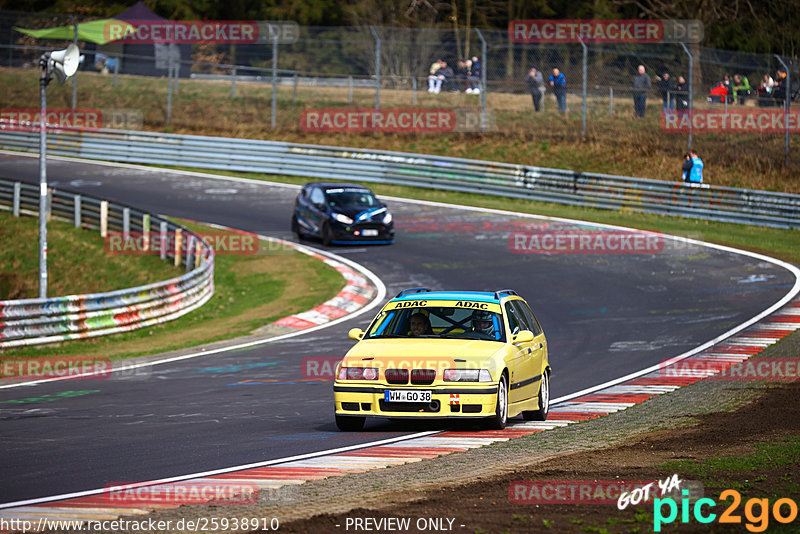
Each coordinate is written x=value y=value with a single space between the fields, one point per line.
x=482 y=322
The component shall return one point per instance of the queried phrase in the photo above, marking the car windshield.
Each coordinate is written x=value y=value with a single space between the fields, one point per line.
x=351 y=198
x=438 y=322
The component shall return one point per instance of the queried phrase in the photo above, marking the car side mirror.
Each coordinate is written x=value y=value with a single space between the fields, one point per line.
x=525 y=336
x=357 y=334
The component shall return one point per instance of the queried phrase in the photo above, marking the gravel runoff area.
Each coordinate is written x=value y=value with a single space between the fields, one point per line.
x=704 y=420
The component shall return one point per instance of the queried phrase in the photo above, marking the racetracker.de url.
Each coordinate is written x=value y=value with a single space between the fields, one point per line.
x=201 y=524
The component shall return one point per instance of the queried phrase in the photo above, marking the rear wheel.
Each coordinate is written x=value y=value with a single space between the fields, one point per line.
x=296 y=227
x=348 y=423
x=544 y=401
x=498 y=422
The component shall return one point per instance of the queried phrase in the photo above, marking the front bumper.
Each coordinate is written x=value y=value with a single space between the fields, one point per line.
x=354 y=233
x=453 y=401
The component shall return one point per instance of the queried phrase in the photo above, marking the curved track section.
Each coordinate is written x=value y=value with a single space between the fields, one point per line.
x=606 y=316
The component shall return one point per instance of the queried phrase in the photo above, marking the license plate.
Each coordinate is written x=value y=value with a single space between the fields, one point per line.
x=404 y=395
x=369 y=232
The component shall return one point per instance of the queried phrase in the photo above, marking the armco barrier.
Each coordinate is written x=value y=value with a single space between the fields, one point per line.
x=438 y=172
x=36 y=321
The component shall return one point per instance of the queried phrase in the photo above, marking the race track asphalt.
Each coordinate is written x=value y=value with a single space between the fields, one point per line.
x=605 y=315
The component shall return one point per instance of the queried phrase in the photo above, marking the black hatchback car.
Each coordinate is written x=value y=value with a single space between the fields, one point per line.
x=341 y=214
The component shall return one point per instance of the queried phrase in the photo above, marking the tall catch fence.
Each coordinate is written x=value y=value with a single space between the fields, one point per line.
x=370 y=67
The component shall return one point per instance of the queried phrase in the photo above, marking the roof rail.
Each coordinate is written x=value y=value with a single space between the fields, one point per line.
x=412 y=290
x=500 y=292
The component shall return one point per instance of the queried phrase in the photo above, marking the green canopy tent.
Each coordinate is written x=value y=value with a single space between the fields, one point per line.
x=93 y=31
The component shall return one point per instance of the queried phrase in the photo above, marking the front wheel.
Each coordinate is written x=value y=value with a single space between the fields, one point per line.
x=296 y=227
x=348 y=423
x=498 y=422
x=327 y=234
x=544 y=401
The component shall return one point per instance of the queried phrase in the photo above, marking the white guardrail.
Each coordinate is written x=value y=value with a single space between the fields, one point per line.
x=37 y=321
x=438 y=172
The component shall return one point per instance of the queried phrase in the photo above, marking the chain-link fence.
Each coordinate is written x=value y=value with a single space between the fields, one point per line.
x=481 y=74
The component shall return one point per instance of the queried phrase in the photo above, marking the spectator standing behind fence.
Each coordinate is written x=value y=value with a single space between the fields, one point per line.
x=559 y=84
x=779 y=90
x=667 y=90
x=535 y=82
x=765 y=91
x=474 y=76
x=434 y=80
x=741 y=88
x=641 y=84
x=681 y=96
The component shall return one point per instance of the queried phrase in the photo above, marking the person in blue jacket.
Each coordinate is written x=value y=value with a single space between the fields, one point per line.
x=559 y=84
x=696 y=172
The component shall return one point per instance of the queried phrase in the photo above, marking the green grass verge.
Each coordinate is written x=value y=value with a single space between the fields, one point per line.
x=250 y=291
x=775 y=242
x=76 y=262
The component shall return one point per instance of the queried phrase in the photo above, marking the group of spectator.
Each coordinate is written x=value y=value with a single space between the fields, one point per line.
x=466 y=75
x=674 y=93
x=537 y=88
x=770 y=92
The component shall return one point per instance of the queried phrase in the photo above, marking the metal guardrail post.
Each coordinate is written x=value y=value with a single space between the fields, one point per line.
x=273 y=120
x=691 y=93
x=786 y=103
x=294 y=89
x=414 y=89
x=74 y=92
x=15 y=201
x=146 y=231
x=377 y=67
x=189 y=253
x=126 y=223
x=104 y=218
x=178 y=245
x=233 y=82
x=162 y=243
x=76 y=212
x=116 y=70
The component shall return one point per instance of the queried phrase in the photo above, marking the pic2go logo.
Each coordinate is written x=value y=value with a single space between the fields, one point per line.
x=783 y=510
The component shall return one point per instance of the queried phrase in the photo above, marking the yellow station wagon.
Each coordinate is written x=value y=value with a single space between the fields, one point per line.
x=446 y=355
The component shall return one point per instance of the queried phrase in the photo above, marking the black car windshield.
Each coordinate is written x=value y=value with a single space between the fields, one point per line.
x=440 y=322
x=351 y=198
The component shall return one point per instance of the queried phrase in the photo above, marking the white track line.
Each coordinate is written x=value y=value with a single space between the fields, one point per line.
x=782 y=302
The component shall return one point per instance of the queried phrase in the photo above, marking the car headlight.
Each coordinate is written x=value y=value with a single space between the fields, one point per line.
x=342 y=218
x=357 y=373
x=467 y=375
x=387 y=219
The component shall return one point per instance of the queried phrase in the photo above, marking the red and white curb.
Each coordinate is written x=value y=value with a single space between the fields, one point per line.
x=103 y=505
